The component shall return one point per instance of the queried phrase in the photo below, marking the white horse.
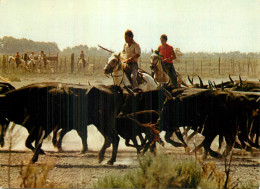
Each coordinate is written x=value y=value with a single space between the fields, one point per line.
x=80 y=65
x=159 y=75
x=114 y=66
x=13 y=64
x=41 y=65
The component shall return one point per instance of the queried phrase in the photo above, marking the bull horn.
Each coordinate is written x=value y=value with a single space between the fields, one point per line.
x=168 y=94
x=210 y=84
x=129 y=90
x=231 y=79
x=89 y=83
x=201 y=83
x=191 y=81
x=215 y=85
x=258 y=100
x=240 y=80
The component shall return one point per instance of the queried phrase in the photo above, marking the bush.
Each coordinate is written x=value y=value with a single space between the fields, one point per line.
x=163 y=171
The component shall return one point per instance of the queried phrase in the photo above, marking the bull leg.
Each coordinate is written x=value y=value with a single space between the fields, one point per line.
x=54 y=138
x=115 y=142
x=230 y=142
x=106 y=145
x=220 y=141
x=167 y=137
x=207 y=143
x=191 y=135
x=59 y=143
x=180 y=137
x=84 y=135
x=38 y=145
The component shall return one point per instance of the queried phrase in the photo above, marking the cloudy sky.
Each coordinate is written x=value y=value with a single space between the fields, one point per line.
x=191 y=25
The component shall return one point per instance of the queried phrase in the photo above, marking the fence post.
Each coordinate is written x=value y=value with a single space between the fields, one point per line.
x=94 y=62
x=185 y=66
x=65 y=65
x=201 y=67
x=4 y=64
x=72 y=63
x=218 y=65
x=60 y=64
x=193 y=66
x=248 y=67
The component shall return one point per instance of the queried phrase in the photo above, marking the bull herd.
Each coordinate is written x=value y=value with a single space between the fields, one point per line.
x=229 y=109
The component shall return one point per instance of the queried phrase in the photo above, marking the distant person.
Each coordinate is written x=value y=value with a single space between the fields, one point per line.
x=44 y=58
x=25 y=57
x=168 y=55
x=17 y=59
x=82 y=57
x=31 y=56
x=132 y=52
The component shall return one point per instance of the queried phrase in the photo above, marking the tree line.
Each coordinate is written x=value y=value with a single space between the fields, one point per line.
x=10 y=44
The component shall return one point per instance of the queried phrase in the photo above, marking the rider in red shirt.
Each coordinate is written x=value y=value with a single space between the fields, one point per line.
x=168 y=55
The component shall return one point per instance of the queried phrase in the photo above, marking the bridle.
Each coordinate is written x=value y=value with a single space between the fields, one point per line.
x=111 y=68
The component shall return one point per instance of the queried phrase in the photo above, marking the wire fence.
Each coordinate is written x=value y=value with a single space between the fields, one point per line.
x=204 y=66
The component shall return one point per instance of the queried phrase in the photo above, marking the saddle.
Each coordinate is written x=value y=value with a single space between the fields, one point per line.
x=140 y=79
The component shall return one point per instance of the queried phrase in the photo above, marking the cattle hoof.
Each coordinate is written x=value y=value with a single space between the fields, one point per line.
x=60 y=150
x=41 y=152
x=100 y=159
x=110 y=162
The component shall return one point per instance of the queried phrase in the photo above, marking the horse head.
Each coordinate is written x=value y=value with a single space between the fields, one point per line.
x=112 y=63
x=154 y=58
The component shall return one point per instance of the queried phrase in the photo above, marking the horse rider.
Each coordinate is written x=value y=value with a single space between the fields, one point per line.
x=25 y=57
x=82 y=57
x=31 y=56
x=167 y=54
x=17 y=59
x=131 y=51
x=44 y=58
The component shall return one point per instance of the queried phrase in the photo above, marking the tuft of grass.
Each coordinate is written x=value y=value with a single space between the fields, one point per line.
x=163 y=171
x=35 y=176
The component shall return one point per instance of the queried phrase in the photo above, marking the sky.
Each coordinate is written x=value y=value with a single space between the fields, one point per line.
x=191 y=25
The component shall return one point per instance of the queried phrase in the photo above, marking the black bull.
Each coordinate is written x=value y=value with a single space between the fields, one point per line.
x=216 y=113
x=43 y=107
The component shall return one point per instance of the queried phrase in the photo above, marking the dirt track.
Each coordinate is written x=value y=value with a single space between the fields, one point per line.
x=72 y=169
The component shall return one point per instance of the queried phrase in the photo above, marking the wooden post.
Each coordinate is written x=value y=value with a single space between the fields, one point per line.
x=218 y=65
x=65 y=65
x=185 y=67
x=4 y=64
x=201 y=67
x=94 y=62
x=60 y=64
x=209 y=64
x=72 y=63
x=193 y=66
x=248 y=67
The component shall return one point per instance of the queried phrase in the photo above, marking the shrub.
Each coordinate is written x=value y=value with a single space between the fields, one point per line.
x=163 y=171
